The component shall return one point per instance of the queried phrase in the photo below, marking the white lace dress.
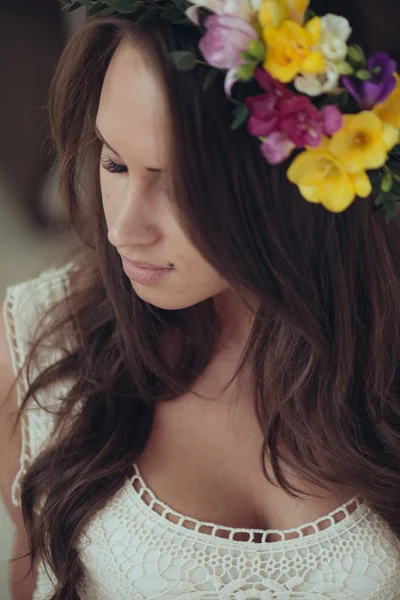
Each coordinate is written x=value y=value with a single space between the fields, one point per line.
x=138 y=548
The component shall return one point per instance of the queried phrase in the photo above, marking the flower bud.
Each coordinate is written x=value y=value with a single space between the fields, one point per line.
x=257 y=50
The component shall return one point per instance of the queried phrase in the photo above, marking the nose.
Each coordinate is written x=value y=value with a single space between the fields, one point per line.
x=132 y=225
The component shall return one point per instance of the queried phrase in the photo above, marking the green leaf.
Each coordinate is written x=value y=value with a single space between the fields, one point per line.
x=147 y=16
x=108 y=11
x=96 y=8
x=356 y=55
x=73 y=6
x=183 y=60
x=241 y=114
x=380 y=198
x=390 y=206
x=245 y=72
x=310 y=14
x=387 y=182
x=247 y=56
x=172 y=14
x=345 y=68
x=210 y=78
x=363 y=74
x=125 y=6
x=257 y=50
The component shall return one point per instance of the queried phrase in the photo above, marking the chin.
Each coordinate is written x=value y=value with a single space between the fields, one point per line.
x=164 y=299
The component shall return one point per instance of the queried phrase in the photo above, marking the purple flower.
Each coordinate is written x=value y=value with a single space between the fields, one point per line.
x=375 y=90
x=225 y=38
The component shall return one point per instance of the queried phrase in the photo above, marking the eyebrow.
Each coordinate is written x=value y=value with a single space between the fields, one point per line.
x=101 y=138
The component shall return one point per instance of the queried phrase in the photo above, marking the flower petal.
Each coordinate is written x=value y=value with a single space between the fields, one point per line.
x=362 y=184
x=337 y=195
x=230 y=80
x=314 y=29
x=313 y=63
x=310 y=193
x=390 y=135
x=336 y=26
x=277 y=148
x=364 y=121
x=332 y=118
x=387 y=89
x=192 y=13
x=297 y=10
x=272 y=13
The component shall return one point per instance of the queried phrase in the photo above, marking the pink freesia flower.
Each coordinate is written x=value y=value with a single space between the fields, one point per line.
x=265 y=108
x=301 y=121
x=226 y=37
x=287 y=120
x=277 y=147
x=333 y=119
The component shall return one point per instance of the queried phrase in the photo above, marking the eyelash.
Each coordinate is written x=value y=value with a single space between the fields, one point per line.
x=111 y=166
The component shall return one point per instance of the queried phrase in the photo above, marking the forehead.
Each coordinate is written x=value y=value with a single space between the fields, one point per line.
x=133 y=114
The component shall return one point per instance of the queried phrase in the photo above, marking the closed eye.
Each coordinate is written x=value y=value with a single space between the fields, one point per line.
x=111 y=166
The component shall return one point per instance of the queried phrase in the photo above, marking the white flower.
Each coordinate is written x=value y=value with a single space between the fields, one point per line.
x=320 y=83
x=244 y=9
x=333 y=47
x=334 y=36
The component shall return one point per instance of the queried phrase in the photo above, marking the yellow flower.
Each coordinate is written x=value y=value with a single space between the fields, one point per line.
x=389 y=110
x=322 y=179
x=273 y=12
x=363 y=142
x=290 y=49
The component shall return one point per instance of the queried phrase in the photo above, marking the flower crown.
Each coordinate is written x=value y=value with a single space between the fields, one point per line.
x=319 y=94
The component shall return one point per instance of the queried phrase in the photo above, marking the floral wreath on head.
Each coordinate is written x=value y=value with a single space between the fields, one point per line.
x=320 y=96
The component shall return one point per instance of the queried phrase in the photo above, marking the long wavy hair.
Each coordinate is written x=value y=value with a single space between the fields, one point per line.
x=324 y=348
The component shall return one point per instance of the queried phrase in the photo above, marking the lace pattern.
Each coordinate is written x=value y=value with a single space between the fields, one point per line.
x=24 y=308
x=138 y=548
x=340 y=515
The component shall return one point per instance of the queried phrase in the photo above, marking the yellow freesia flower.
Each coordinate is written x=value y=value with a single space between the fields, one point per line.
x=290 y=49
x=272 y=13
x=389 y=109
x=322 y=179
x=363 y=142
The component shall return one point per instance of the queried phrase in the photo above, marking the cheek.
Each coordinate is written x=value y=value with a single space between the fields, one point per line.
x=110 y=192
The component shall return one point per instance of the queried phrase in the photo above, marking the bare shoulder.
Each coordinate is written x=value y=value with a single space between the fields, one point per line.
x=10 y=446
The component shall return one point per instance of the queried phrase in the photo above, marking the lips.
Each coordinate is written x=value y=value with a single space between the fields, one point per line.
x=144 y=275
x=143 y=265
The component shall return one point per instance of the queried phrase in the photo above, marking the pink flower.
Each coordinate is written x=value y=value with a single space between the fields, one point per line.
x=333 y=119
x=226 y=37
x=304 y=124
x=265 y=108
x=287 y=120
x=277 y=147
x=301 y=121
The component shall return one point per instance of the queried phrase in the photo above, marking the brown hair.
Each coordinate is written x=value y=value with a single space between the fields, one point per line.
x=324 y=347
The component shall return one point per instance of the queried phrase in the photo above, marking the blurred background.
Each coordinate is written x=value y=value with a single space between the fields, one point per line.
x=32 y=234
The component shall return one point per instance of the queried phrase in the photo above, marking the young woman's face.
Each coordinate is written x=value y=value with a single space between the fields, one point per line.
x=133 y=123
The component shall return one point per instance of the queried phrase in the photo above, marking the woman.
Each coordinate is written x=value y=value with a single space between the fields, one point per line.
x=223 y=423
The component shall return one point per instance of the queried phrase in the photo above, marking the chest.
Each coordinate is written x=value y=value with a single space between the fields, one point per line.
x=203 y=460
